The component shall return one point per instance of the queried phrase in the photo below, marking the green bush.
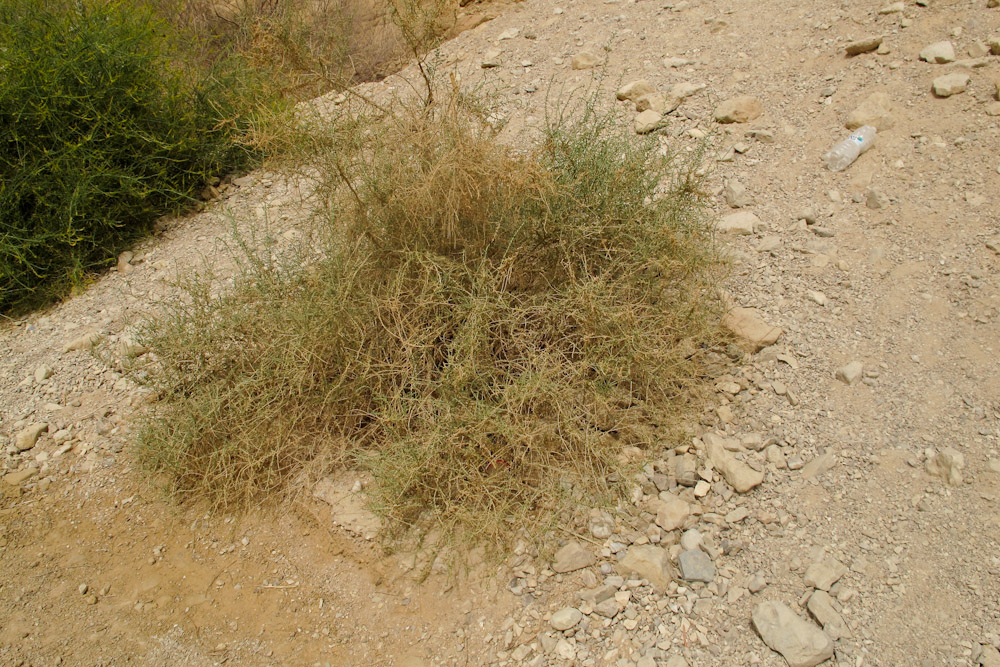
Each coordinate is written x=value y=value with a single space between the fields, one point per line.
x=101 y=131
x=494 y=328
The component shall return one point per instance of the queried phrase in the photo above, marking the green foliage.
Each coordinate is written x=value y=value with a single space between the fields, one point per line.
x=485 y=337
x=100 y=132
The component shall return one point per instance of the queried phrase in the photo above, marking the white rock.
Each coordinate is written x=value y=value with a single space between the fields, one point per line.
x=947 y=464
x=824 y=574
x=801 y=643
x=650 y=562
x=894 y=8
x=748 y=325
x=565 y=650
x=43 y=373
x=28 y=436
x=741 y=109
x=821 y=606
x=565 y=618
x=938 y=52
x=850 y=373
x=739 y=475
x=741 y=223
x=672 y=513
x=634 y=90
x=735 y=194
x=647 y=121
x=84 y=342
x=584 y=60
x=950 y=84
x=571 y=557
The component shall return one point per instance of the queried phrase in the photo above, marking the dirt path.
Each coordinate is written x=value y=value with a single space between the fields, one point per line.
x=909 y=289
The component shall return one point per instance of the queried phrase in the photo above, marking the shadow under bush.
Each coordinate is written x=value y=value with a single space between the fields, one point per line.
x=485 y=333
x=101 y=132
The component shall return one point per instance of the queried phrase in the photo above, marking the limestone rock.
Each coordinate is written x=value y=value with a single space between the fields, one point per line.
x=947 y=464
x=950 y=84
x=822 y=609
x=801 y=643
x=876 y=110
x=20 y=477
x=28 y=436
x=741 y=109
x=739 y=475
x=735 y=194
x=851 y=373
x=565 y=618
x=43 y=373
x=747 y=324
x=84 y=342
x=938 y=53
x=819 y=465
x=584 y=60
x=742 y=223
x=672 y=513
x=824 y=574
x=650 y=562
x=573 y=556
x=685 y=89
x=647 y=121
x=634 y=90
x=863 y=45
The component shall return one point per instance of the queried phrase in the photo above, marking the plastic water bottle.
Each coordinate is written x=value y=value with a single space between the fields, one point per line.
x=844 y=154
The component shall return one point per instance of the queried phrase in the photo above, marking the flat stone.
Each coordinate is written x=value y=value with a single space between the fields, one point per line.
x=947 y=464
x=685 y=89
x=821 y=607
x=491 y=59
x=819 y=465
x=28 y=436
x=741 y=109
x=748 y=325
x=650 y=562
x=739 y=475
x=938 y=53
x=875 y=110
x=850 y=373
x=863 y=45
x=648 y=121
x=608 y=608
x=584 y=60
x=741 y=223
x=634 y=90
x=894 y=8
x=737 y=515
x=84 y=342
x=695 y=565
x=565 y=618
x=800 y=642
x=672 y=513
x=993 y=109
x=824 y=574
x=950 y=84
x=571 y=557
x=20 y=477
